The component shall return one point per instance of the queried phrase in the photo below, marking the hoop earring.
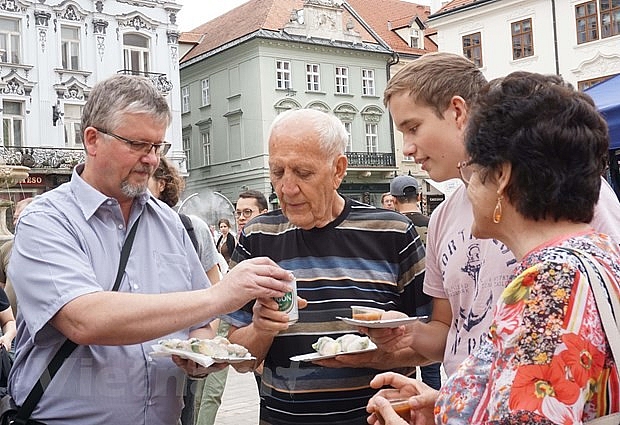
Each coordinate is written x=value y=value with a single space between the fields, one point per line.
x=497 y=212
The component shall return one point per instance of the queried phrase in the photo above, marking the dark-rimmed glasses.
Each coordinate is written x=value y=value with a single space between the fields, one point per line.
x=465 y=170
x=143 y=148
x=247 y=213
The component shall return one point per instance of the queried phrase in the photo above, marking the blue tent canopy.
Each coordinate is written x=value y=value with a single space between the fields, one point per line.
x=606 y=95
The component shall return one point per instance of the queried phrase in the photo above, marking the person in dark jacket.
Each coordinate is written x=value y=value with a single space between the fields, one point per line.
x=226 y=242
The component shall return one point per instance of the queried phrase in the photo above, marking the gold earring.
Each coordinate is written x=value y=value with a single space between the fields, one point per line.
x=497 y=212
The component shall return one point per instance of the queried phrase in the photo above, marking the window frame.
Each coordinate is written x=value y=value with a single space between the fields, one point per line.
x=205 y=141
x=185 y=100
x=143 y=55
x=341 y=76
x=283 y=74
x=522 y=38
x=414 y=35
x=473 y=50
x=348 y=126
x=614 y=19
x=66 y=46
x=13 y=41
x=72 y=125
x=368 y=82
x=205 y=91
x=587 y=18
x=372 y=137
x=12 y=119
x=186 y=141
x=313 y=77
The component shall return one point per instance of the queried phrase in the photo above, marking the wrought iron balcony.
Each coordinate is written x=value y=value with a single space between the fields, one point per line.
x=160 y=81
x=42 y=157
x=369 y=160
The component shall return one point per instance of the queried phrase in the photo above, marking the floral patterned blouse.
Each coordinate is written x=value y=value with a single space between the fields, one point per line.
x=546 y=360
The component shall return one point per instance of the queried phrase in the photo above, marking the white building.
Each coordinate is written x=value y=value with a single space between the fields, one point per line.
x=51 y=55
x=578 y=39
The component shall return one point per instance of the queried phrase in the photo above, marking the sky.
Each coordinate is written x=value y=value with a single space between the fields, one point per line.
x=197 y=12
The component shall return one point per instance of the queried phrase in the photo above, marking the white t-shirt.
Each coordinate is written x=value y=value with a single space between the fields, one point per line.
x=471 y=273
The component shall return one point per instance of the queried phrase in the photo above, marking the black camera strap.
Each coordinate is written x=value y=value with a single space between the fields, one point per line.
x=24 y=412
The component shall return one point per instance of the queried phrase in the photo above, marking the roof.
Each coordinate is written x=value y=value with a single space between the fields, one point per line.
x=267 y=18
x=456 y=5
x=392 y=15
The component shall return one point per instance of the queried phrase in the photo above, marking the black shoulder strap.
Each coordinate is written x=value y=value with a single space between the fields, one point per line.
x=189 y=227
x=24 y=412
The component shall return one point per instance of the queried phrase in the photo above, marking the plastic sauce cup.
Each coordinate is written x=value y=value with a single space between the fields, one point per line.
x=401 y=407
x=366 y=313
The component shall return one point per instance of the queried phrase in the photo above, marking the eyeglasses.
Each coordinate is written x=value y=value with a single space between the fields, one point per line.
x=465 y=170
x=247 y=213
x=144 y=148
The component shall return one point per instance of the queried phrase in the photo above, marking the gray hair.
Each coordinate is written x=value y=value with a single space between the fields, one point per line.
x=332 y=134
x=118 y=95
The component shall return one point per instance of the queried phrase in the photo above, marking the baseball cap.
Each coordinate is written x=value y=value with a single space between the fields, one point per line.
x=400 y=184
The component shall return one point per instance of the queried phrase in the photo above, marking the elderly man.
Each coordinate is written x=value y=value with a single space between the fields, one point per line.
x=65 y=259
x=341 y=252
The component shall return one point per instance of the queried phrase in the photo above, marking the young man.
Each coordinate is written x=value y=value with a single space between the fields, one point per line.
x=64 y=280
x=429 y=100
x=337 y=252
x=250 y=204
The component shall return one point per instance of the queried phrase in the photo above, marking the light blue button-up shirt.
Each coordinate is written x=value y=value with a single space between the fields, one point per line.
x=68 y=244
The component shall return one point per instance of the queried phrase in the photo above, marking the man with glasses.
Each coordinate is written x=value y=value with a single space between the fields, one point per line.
x=430 y=100
x=250 y=204
x=66 y=258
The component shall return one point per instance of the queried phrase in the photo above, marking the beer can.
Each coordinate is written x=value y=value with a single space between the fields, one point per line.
x=288 y=304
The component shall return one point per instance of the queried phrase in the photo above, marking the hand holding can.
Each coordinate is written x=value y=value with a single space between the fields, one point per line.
x=288 y=303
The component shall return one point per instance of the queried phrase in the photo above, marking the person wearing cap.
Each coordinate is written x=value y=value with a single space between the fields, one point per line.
x=406 y=193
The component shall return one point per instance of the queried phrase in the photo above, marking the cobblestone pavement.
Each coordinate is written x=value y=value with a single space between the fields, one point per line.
x=240 y=400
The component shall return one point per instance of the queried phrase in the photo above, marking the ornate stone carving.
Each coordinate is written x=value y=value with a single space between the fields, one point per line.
x=372 y=114
x=42 y=38
x=99 y=26
x=11 y=6
x=59 y=158
x=42 y=18
x=100 y=46
x=345 y=112
x=136 y=22
x=173 y=37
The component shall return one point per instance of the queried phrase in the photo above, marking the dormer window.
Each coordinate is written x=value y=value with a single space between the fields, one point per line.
x=415 y=39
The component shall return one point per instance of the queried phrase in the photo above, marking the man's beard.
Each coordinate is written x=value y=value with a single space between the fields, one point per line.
x=132 y=191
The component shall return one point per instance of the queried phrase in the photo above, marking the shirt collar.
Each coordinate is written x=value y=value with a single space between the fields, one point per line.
x=90 y=199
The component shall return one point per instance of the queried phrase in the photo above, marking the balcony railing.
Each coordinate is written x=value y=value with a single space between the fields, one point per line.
x=42 y=157
x=160 y=81
x=367 y=159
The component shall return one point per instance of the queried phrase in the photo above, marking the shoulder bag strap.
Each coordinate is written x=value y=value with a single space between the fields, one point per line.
x=607 y=303
x=24 y=412
x=608 y=306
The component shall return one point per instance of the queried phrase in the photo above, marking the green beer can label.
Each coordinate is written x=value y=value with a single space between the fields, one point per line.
x=288 y=304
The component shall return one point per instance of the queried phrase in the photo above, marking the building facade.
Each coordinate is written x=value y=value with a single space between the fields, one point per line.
x=578 y=39
x=267 y=56
x=51 y=55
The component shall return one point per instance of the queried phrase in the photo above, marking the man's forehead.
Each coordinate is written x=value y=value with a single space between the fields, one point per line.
x=246 y=203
